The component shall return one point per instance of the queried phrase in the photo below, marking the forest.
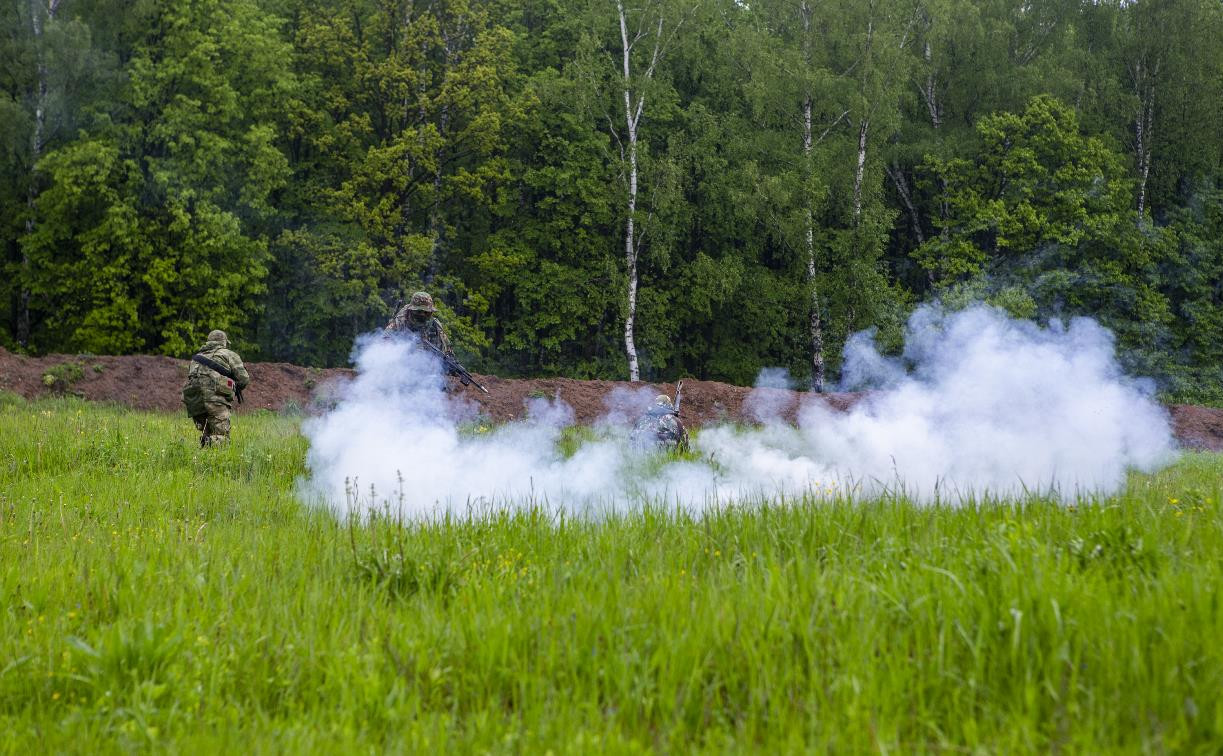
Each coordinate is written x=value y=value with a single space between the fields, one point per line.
x=627 y=189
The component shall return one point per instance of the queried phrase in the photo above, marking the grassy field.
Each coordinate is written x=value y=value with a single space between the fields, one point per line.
x=156 y=596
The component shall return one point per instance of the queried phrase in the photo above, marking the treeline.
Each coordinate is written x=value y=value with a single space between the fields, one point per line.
x=601 y=189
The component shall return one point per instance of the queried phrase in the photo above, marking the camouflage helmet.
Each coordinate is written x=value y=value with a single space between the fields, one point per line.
x=421 y=302
x=662 y=405
x=218 y=336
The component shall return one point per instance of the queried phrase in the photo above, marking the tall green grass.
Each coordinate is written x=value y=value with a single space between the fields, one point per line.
x=158 y=596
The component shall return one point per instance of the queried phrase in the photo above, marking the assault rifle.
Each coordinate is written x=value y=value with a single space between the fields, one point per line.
x=453 y=367
x=679 y=394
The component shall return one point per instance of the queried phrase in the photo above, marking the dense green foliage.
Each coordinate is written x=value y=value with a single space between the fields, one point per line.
x=153 y=595
x=290 y=169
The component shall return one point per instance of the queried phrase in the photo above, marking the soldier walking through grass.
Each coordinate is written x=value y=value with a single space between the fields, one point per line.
x=216 y=377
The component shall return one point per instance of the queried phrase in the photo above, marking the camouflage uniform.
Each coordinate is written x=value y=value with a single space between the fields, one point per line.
x=660 y=428
x=416 y=317
x=209 y=395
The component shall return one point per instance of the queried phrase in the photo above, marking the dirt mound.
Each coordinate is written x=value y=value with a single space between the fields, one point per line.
x=703 y=402
x=153 y=383
x=1197 y=427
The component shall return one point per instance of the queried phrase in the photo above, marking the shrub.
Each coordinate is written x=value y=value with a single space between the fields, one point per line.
x=61 y=377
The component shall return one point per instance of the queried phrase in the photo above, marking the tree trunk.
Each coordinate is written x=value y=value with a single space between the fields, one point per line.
x=632 y=119
x=930 y=90
x=815 y=323
x=1144 y=127
x=896 y=173
x=630 y=246
x=37 y=142
x=930 y=95
x=860 y=170
x=816 y=328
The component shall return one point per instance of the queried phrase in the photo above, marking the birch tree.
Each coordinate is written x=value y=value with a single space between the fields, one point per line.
x=862 y=48
x=1146 y=54
x=1171 y=62
x=815 y=325
x=819 y=60
x=644 y=36
x=878 y=72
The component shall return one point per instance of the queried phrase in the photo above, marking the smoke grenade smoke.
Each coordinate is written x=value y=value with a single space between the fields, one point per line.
x=978 y=405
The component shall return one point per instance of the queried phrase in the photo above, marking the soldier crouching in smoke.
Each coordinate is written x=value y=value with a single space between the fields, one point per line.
x=660 y=428
x=217 y=376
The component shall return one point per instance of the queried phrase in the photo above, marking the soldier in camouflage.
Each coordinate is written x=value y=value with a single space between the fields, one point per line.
x=417 y=317
x=215 y=378
x=660 y=428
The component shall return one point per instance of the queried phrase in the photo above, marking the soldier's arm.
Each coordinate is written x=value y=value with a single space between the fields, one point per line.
x=397 y=320
x=239 y=370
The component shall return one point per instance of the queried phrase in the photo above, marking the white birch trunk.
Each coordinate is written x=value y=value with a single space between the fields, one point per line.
x=860 y=169
x=1144 y=128
x=930 y=91
x=816 y=327
x=815 y=324
x=633 y=108
x=930 y=95
x=630 y=246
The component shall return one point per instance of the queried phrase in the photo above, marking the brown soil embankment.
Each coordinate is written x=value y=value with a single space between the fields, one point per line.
x=153 y=383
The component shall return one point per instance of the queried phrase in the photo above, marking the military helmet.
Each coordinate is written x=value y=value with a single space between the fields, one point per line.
x=421 y=302
x=219 y=336
x=661 y=406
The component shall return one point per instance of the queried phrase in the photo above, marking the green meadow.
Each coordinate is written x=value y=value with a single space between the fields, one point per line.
x=156 y=596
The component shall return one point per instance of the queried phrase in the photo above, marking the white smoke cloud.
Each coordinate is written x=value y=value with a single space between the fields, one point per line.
x=773 y=397
x=990 y=406
x=865 y=368
x=1003 y=405
x=624 y=404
